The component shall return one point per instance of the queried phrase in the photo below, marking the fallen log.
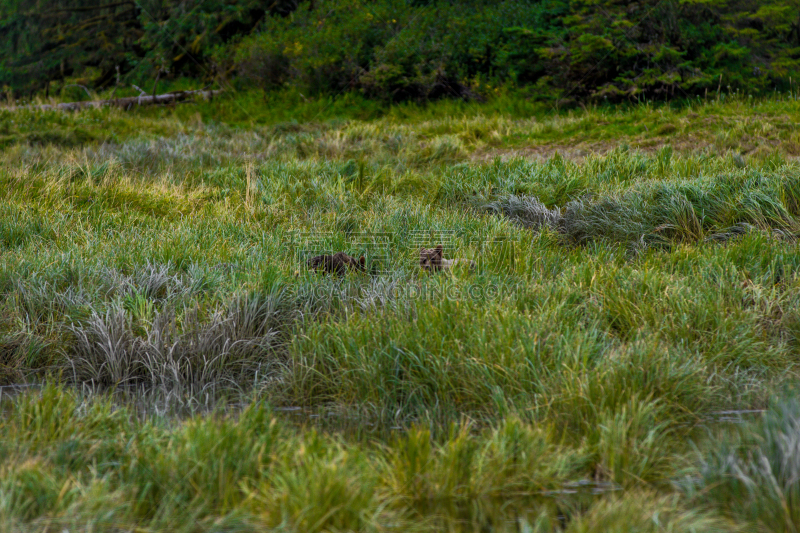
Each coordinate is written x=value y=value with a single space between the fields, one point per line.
x=126 y=102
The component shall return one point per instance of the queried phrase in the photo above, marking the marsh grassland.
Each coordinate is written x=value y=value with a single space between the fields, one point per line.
x=623 y=358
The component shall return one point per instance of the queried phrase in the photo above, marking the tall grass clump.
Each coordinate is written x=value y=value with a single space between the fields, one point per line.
x=647 y=512
x=527 y=211
x=752 y=474
x=661 y=211
x=70 y=459
x=233 y=344
x=457 y=468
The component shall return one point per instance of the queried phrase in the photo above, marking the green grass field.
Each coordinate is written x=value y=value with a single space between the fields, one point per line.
x=623 y=358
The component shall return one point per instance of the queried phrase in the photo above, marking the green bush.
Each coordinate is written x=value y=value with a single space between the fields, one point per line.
x=396 y=50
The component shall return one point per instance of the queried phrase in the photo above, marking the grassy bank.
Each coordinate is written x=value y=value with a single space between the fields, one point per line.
x=624 y=304
x=289 y=125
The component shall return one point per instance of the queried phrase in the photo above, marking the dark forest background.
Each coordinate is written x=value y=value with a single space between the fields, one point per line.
x=394 y=50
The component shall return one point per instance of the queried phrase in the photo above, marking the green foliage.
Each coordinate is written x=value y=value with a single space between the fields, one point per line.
x=102 y=44
x=394 y=50
x=562 y=50
x=180 y=35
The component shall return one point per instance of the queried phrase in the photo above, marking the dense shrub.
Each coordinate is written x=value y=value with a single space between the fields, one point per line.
x=407 y=49
x=393 y=50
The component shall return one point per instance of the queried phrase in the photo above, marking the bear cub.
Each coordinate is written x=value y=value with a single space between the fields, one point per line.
x=432 y=260
x=338 y=263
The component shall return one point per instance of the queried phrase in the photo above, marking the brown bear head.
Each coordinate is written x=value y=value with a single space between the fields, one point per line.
x=360 y=265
